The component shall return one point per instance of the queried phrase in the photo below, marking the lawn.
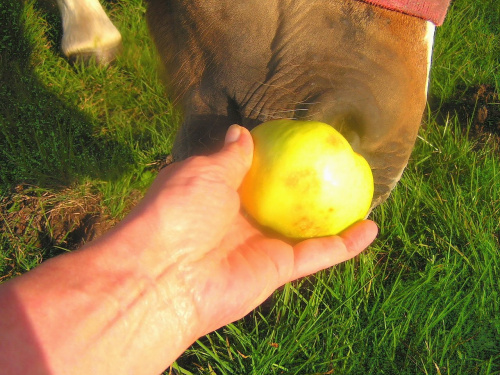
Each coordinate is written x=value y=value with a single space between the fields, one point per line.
x=80 y=144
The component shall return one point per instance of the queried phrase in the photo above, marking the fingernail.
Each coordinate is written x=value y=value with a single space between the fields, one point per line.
x=233 y=134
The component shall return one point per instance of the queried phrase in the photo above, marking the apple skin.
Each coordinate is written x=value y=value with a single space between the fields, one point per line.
x=305 y=180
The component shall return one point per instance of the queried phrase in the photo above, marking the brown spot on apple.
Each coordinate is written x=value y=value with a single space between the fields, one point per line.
x=304 y=180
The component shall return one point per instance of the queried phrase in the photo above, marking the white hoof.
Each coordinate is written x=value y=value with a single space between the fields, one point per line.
x=87 y=32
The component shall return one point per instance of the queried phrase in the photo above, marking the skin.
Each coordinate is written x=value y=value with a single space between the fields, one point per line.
x=185 y=262
x=360 y=68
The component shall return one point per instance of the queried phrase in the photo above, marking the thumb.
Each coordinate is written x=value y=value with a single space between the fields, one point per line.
x=236 y=155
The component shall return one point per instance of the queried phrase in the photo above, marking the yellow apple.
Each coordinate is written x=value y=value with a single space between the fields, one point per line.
x=305 y=180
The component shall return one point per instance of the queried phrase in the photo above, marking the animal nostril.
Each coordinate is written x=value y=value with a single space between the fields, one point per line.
x=347 y=112
x=354 y=140
x=351 y=126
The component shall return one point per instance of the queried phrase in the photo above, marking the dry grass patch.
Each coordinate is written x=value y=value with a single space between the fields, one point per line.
x=37 y=224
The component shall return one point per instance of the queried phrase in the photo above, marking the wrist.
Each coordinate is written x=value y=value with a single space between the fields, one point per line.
x=96 y=304
x=154 y=296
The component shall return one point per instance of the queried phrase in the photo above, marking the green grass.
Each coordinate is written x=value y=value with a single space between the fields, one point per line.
x=62 y=124
x=424 y=299
x=467 y=49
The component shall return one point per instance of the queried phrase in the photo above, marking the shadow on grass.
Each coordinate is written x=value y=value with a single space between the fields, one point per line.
x=43 y=140
x=46 y=145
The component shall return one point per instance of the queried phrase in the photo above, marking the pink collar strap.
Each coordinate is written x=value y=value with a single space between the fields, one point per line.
x=429 y=10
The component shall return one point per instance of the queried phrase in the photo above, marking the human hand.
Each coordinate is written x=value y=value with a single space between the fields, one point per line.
x=224 y=266
x=185 y=262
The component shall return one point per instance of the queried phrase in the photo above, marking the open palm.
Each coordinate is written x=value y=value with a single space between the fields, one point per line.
x=226 y=263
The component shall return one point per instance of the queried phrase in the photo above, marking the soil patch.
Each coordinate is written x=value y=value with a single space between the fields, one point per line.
x=478 y=106
x=37 y=224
